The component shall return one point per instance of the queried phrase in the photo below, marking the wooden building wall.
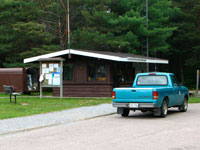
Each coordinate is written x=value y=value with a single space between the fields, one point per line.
x=80 y=86
x=85 y=90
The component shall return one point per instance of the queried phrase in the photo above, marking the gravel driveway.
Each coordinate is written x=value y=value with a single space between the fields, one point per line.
x=139 y=131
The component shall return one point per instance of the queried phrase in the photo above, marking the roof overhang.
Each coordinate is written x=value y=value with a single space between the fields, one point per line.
x=94 y=54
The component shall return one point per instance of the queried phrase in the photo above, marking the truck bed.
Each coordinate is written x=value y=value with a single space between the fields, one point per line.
x=133 y=95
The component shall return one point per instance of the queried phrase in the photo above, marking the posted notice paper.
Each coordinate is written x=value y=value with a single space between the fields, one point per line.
x=56 y=81
x=44 y=65
x=51 y=67
x=49 y=76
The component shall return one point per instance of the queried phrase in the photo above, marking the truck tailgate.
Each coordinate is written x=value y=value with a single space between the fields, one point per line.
x=134 y=95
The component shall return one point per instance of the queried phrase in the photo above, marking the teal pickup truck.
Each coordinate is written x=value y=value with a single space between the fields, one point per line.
x=154 y=92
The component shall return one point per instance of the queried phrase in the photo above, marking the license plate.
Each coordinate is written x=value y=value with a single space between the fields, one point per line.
x=133 y=105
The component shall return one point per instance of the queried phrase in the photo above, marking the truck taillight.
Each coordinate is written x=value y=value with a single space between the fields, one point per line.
x=155 y=95
x=113 y=95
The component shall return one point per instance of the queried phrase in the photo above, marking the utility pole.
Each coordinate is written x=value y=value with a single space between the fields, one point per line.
x=147 y=23
x=68 y=29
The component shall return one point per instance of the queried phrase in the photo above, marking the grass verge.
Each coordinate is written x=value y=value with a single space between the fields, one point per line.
x=31 y=94
x=34 y=105
x=194 y=100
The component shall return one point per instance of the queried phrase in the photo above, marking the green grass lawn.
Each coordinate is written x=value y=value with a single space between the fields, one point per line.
x=3 y=95
x=194 y=100
x=34 y=105
x=31 y=94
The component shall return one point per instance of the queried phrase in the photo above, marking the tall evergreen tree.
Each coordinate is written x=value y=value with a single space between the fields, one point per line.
x=185 y=42
x=21 y=33
x=120 y=25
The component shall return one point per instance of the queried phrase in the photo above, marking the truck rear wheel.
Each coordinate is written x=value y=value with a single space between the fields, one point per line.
x=125 y=112
x=184 y=106
x=164 y=109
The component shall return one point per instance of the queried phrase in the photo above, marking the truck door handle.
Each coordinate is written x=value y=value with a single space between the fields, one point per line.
x=133 y=90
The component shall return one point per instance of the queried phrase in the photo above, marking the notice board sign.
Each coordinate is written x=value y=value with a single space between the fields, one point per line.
x=51 y=74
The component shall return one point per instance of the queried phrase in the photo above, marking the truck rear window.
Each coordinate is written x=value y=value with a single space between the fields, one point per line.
x=152 y=80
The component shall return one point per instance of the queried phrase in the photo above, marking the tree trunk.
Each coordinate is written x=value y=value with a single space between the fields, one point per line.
x=62 y=43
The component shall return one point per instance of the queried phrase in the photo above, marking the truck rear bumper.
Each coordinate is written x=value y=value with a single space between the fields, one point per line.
x=135 y=105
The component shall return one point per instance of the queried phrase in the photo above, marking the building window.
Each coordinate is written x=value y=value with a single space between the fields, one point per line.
x=123 y=72
x=126 y=72
x=68 y=72
x=97 y=72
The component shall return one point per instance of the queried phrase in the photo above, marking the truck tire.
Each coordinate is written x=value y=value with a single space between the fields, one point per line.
x=125 y=112
x=164 y=109
x=184 y=106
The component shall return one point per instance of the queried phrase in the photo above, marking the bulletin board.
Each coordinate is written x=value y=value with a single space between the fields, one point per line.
x=51 y=74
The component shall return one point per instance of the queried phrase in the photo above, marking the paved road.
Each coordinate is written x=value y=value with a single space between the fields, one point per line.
x=139 y=131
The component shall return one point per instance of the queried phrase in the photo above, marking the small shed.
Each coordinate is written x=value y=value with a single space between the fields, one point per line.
x=13 y=76
x=21 y=79
x=89 y=73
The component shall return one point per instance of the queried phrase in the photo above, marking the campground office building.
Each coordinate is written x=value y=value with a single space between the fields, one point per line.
x=96 y=73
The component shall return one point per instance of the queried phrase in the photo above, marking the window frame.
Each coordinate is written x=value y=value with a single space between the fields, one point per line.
x=97 y=63
x=73 y=76
x=152 y=84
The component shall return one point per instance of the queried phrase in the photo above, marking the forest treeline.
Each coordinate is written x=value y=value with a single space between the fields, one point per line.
x=34 y=27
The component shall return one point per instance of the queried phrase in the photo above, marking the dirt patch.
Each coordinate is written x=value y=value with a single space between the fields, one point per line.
x=24 y=104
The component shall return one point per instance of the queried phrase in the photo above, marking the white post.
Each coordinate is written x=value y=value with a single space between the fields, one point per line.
x=40 y=82
x=197 y=88
x=61 y=79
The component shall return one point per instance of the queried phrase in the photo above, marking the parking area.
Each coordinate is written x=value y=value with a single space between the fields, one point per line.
x=139 y=131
